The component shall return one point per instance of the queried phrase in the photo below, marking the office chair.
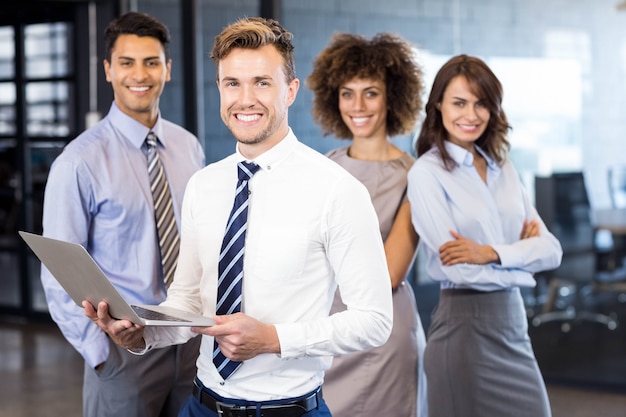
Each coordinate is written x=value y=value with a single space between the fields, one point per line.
x=616 y=176
x=563 y=204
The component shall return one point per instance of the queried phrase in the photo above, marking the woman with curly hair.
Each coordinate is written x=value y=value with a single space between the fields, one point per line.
x=367 y=91
x=483 y=240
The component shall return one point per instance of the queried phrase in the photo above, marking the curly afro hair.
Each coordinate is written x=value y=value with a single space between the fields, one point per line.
x=384 y=57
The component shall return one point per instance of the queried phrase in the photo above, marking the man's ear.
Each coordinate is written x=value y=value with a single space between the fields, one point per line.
x=294 y=86
x=106 y=65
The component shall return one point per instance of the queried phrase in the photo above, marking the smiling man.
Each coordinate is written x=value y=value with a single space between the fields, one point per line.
x=311 y=227
x=99 y=195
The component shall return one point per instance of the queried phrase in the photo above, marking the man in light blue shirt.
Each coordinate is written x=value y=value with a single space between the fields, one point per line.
x=98 y=195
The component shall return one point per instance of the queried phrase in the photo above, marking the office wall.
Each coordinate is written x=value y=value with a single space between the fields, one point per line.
x=562 y=64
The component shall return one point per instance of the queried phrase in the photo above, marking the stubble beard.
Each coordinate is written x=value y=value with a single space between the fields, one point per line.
x=259 y=137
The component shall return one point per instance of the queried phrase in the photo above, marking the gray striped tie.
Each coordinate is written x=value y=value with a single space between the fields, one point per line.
x=163 y=211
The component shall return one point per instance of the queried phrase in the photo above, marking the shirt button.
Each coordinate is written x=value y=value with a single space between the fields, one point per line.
x=269 y=167
x=222 y=383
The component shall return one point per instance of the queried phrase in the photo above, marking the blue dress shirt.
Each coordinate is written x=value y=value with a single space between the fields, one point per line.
x=98 y=195
x=490 y=213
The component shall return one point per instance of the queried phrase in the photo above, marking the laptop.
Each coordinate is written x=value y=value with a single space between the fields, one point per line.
x=74 y=268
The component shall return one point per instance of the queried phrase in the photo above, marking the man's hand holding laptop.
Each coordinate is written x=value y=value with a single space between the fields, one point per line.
x=124 y=333
x=239 y=336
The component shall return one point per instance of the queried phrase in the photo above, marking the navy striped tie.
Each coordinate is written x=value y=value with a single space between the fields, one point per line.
x=230 y=265
x=169 y=241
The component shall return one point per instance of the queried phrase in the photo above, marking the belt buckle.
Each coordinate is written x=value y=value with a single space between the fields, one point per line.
x=230 y=410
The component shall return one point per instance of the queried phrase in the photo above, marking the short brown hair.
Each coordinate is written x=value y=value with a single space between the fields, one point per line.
x=385 y=57
x=487 y=87
x=253 y=33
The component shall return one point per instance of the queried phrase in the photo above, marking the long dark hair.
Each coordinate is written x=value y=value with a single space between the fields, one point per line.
x=487 y=87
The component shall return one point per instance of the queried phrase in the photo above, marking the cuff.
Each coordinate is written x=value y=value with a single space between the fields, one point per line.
x=140 y=351
x=509 y=256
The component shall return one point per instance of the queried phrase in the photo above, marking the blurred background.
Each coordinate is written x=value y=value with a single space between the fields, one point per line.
x=562 y=64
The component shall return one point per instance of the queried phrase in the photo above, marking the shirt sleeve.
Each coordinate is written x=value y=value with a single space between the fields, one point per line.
x=355 y=252
x=534 y=254
x=70 y=221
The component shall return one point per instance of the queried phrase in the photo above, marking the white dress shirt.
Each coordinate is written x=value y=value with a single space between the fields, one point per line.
x=311 y=227
x=489 y=214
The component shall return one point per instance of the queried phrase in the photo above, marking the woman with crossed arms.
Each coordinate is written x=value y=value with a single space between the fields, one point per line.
x=483 y=240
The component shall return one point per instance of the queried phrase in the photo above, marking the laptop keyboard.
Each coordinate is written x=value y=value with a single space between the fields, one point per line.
x=144 y=313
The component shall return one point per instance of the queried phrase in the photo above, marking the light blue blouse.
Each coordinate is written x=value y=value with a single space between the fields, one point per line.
x=489 y=214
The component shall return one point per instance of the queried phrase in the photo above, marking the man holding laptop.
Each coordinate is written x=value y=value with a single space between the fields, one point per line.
x=98 y=195
x=309 y=226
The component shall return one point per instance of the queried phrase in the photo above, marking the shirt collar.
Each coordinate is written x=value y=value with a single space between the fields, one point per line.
x=462 y=156
x=273 y=157
x=131 y=129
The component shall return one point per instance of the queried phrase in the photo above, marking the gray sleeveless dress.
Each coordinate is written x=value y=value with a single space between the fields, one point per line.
x=381 y=381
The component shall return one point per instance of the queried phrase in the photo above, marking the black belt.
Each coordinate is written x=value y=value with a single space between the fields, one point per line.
x=462 y=291
x=470 y=291
x=288 y=409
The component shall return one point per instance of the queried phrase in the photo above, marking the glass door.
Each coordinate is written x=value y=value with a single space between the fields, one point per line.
x=37 y=118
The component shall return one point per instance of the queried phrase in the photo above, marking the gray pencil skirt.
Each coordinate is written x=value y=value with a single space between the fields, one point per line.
x=479 y=361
